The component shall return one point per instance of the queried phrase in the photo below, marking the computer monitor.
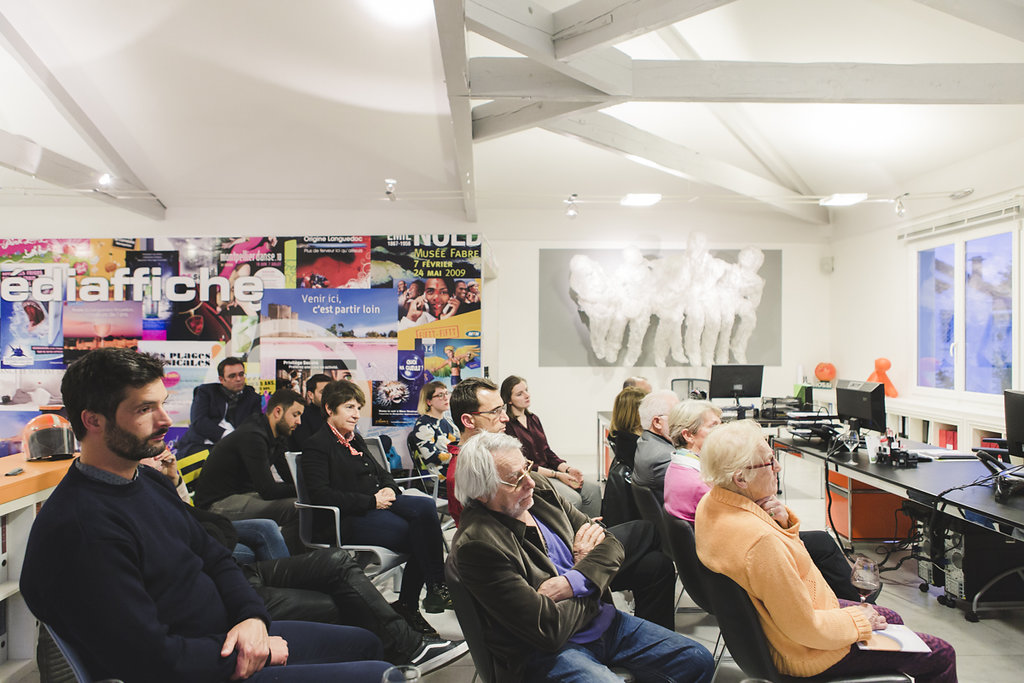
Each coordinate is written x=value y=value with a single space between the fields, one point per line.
x=1013 y=411
x=861 y=404
x=736 y=381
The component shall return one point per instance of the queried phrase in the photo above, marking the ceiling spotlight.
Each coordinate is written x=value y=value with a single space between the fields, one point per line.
x=106 y=179
x=960 y=194
x=389 y=188
x=901 y=210
x=570 y=206
x=843 y=199
x=640 y=199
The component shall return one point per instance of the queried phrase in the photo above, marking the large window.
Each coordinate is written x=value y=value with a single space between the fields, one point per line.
x=935 y=317
x=965 y=321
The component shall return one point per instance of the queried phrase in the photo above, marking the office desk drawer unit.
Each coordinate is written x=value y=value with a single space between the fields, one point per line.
x=861 y=512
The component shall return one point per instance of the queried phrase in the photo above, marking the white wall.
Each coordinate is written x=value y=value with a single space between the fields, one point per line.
x=567 y=399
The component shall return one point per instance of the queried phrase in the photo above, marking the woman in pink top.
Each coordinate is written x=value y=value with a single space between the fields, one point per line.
x=689 y=423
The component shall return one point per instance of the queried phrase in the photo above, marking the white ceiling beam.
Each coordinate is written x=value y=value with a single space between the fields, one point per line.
x=25 y=156
x=451 y=30
x=495 y=119
x=1002 y=16
x=589 y=24
x=76 y=116
x=713 y=81
x=528 y=30
x=612 y=134
x=739 y=125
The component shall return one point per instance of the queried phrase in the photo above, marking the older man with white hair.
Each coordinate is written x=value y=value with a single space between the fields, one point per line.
x=654 y=448
x=540 y=571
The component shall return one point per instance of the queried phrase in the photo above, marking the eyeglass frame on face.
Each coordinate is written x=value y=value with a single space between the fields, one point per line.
x=493 y=412
x=771 y=463
x=525 y=473
x=439 y=392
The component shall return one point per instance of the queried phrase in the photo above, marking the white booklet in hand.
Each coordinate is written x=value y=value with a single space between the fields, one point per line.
x=895 y=638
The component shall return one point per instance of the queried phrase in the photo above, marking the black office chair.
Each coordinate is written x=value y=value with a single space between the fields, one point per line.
x=59 y=663
x=467 y=612
x=741 y=629
x=683 y=546
x=650 y=509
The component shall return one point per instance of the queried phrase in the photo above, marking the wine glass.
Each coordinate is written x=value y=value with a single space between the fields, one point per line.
x=864 y=576
x=403 y=673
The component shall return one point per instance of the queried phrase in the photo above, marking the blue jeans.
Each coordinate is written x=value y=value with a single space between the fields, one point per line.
x=258 y=539
x=411 y=526
x=648 y=651
x=325 y=652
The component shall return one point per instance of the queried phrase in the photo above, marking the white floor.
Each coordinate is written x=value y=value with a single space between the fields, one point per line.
x=990 y=651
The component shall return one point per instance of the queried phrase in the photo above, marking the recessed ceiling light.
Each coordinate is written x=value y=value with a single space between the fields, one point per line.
x=640 y=199
x=843 y=199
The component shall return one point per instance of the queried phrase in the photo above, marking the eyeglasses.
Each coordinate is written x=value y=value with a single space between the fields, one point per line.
x=439 y=394
x=771 y=463
x=493 y=412
x=515 y=484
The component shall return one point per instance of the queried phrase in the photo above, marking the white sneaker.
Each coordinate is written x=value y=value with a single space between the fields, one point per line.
x=433 y=654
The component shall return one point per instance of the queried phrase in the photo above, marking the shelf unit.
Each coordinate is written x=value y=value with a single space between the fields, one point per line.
x=20 y=497
x=923 y=420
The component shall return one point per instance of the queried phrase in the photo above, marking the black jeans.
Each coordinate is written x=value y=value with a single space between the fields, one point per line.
x=329 y=586
x=646 y=571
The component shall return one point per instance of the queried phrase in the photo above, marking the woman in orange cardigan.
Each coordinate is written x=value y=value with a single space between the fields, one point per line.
x=746 y=533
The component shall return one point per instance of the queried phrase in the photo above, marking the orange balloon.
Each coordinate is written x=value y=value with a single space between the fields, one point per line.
x=825 y=372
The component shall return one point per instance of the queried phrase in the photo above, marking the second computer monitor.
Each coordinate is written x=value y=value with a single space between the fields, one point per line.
x=1013 y=405
x=861 y=401
x=736 y=381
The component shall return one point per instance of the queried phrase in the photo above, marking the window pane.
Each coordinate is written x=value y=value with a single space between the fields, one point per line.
x=988 y=313
x=935 y=317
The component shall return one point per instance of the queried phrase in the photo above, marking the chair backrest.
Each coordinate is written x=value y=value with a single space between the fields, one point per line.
x=376 y=449
x=683 y=545
x=684 y=386
x=650 y=509
x=468 y=614
x=74 y=662
x=191 y=466
x=302 y=496
x=739 y=623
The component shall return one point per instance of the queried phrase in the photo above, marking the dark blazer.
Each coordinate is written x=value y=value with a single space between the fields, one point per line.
x=209 y=404
x=337 y=478
x=502 y=562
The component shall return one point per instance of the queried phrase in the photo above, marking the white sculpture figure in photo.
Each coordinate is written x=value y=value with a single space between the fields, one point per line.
x=702 y=315
x=595 y=298
x=750 y=287
x=672 y=280
x=634 y=286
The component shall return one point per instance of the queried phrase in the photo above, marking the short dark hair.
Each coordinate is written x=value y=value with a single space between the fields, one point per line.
x=285 y=398
x=318 y=378
x=464 y=398
x=341 y=391
x=98 y=381
x=230 y=360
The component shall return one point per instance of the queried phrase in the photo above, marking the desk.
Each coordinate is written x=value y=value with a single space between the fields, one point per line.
x=961 y=555
x=923 y=483
x=19 y=496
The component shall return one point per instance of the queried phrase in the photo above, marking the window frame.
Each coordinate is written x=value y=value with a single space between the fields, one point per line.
x=959 y=239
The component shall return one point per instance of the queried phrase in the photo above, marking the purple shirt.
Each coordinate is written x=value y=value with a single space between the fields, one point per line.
x=561 y=556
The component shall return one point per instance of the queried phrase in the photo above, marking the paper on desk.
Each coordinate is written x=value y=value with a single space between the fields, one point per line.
x=896 y=638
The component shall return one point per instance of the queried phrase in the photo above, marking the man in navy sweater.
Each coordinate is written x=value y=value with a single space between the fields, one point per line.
x=119 y=569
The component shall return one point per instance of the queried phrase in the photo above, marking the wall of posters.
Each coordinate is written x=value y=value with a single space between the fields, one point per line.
x=379 y=310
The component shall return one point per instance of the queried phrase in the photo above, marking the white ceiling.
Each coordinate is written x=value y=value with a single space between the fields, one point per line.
x=312 y=104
